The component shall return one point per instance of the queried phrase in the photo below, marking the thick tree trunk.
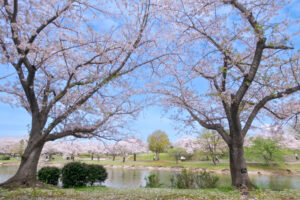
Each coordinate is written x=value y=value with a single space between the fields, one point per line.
x=98 y=157
x=238 y=167
x=134 y=157
x=114 y=157
x=157 y=156
x=92 y=156
x=26 y=174
x=124 y=157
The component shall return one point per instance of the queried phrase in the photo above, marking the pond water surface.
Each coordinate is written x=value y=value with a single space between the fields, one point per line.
x=133 y=178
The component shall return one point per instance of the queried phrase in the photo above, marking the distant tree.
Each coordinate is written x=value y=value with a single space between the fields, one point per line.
x=10 y=145
x=189 y=144
x=71 y=149
x=268 y=150
x=135 y=146
x=19 y=147
x=50 y=149
x=177 y=152
x=158 y=141
x=95 y=149
x=212 y=144
x=112 y=150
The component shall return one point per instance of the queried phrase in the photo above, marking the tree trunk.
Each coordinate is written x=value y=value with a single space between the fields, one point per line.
x=134 y=157
x=124 y=159
x=92 y=156
x=98 y=157
x=26 y=174
x=157 y=156
x=114 y=157
x=238 y=168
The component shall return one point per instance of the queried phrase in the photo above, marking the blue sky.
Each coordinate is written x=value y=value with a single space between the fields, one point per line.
x=15 y=121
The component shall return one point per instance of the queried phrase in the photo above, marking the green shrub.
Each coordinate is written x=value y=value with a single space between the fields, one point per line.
x=74 y=174
x=206 y=180
x=96 y=173
x=189 y=179
x=152 y=181
x=4 y=157
x=185 y=179
x=49 y=175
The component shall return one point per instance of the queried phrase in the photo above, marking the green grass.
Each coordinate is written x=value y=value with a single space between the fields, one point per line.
x=146 y=160
x=143 y=193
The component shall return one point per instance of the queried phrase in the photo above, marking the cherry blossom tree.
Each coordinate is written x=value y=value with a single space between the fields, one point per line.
x=113 y=150
x=95 y=148
x=212 y=144
x=243 y=52
x=135 y=146
x=70 y=63
x=70 y=149
x=188 y=143
x=12 y=145
x=50 y=149
x=286 y=136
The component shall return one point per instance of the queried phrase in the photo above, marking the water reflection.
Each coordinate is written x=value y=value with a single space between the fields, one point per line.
x=130 y=178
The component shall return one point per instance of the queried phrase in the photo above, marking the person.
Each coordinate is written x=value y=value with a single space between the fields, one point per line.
x=296 y=156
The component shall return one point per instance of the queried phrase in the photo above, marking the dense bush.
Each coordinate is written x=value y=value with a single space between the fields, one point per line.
x=77 y=174
x=152 y=181
x=96 y=173
x=189 y=179
x=74 y=174
x=49 y=175
x=4 y=158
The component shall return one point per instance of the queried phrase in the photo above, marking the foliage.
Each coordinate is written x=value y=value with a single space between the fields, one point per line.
x=183 y=180
x=4 y=157
x=49 y=175
x=96 y=173
x=268 y=150
x=213 y=145
x=206 y=180
x=152 y=181
x=190 y=179
x=177 y=153
x=158 y=141
x=80 y=174
x=74 y=174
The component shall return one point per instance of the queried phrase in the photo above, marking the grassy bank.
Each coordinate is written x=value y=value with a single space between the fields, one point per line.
x=144 y=194
x=146 y=160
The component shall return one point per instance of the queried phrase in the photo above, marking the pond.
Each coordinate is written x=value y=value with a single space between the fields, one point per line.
x=133 y=178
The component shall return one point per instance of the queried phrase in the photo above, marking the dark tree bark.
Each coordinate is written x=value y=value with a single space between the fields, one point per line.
x=157 y=155
x=238 y=167
x=92 y=156
x=134 y=157
x=124 y=157
x=114 y=157
x=26 y=174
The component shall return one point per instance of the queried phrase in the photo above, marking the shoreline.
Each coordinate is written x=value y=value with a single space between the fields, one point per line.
x=225 y=171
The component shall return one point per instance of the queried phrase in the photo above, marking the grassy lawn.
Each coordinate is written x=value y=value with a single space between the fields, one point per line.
x=146 y=160
x=144 y=193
